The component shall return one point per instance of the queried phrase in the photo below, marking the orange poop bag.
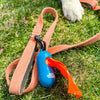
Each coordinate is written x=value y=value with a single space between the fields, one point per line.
x=73 y=89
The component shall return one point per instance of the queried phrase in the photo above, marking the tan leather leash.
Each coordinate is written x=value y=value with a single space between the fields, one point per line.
x=22 y=65
x=22 y=70
x=91 y=4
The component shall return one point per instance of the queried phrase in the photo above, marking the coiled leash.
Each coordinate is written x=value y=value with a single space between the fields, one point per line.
x=91 y=4
x=42 y=58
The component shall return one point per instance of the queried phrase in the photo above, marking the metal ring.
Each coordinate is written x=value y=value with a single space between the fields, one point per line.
x=31 y=36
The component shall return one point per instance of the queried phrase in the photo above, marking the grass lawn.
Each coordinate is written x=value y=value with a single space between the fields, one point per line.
x=83 y=63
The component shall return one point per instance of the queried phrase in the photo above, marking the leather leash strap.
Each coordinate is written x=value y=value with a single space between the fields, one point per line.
x=22 y=65
x=22 y=70
x=91 y=4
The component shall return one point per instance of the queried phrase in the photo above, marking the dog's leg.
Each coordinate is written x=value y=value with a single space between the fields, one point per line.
x=72 y=10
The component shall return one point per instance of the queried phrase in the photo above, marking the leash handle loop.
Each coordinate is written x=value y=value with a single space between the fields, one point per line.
x=23 y=65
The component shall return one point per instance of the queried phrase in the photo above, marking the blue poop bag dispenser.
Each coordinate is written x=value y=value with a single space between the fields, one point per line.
x=45 y=72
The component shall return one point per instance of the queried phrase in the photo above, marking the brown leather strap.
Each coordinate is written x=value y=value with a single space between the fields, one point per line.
x=22 y=70
x=22 y=65
x=60 y=48
x=91 y=4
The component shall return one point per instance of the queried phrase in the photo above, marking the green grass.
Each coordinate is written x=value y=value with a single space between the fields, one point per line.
x=83 y=63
